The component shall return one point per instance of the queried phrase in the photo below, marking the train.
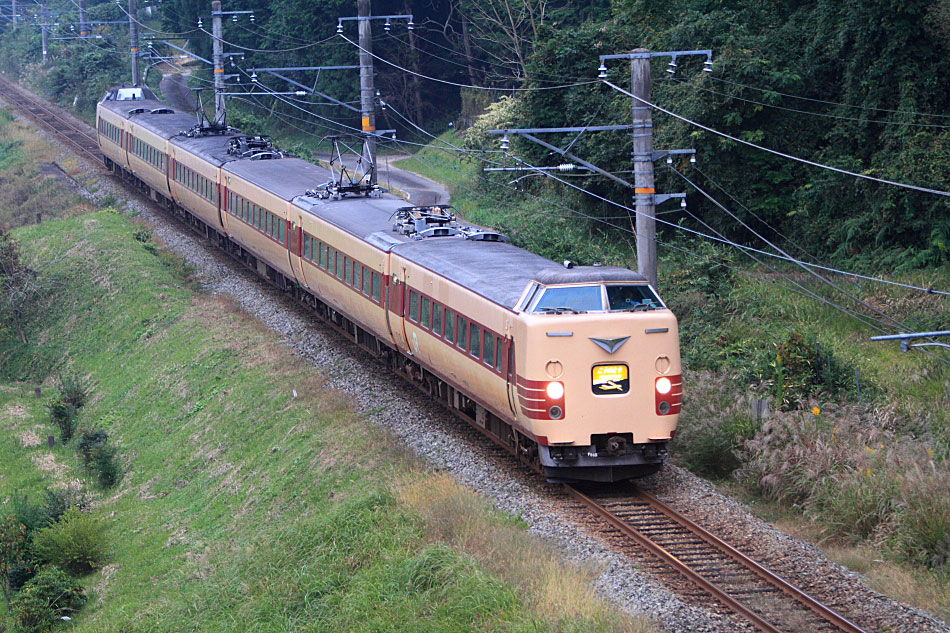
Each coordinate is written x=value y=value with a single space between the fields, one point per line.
x=573 y=369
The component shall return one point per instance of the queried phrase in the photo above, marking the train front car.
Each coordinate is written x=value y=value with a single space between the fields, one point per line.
x=598 y=379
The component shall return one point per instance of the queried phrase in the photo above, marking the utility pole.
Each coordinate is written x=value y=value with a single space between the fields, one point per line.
x=13 y=4
x=218 y=59
x=367 y=90
x=82 y=18
x=643 y=166
x=134 y=41
x=45 y=38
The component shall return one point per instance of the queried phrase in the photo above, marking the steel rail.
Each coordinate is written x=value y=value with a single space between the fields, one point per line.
x=776 y=581
x=60 y=126
x=720 y=546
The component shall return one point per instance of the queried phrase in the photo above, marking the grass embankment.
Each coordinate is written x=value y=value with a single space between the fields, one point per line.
x=862 y=470
x=243 y=507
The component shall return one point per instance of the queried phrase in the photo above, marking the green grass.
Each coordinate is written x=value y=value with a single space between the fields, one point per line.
x=241 y=506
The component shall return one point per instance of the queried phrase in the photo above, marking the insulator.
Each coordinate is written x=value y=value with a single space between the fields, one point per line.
x=252 y=18
x=339 y=28
x=683 y=203
x=692 y=158
x=200 y=24
x=387 y=26
x=602 y=71
x=234 y=19
x=411 y=24
x=566 y=167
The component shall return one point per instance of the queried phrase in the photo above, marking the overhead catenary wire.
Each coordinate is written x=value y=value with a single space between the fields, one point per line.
x=773 y=151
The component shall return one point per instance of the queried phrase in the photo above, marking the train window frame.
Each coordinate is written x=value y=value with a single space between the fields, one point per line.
x=437 y=318
x=282 y=231
x=414 y=306
x=449 y=323
x=348 y=270
x=474 y=340
x=461 y=334
x=306 y=245
x=331 y=261
x=425 y=312
x=376 y=281
x=488 y=348
x=339 y=265
x=367 y=282
x=357 y=276
x=323 y=255
x=499 y=353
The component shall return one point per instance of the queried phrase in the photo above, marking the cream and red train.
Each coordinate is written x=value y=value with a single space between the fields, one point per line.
x=576 y=369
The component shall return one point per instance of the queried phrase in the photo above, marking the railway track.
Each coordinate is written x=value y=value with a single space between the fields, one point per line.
x=78 y=137
x=714 y=567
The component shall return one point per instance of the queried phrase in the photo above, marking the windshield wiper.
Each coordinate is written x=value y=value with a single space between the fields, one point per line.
x=558 y=310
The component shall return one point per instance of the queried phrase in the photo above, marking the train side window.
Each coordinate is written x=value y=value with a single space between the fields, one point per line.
x=323 y=255
x=357 y=284
x=339 y=265
x=460 y=333
x=376 y=287
x=348 y=267
x=474 y=345
x=413 y=306
x=424 y=322
x=449 y=325
x=367 y=281
x=488 y=350
x=282 y=230
x=499 y=348
x=436 y=319
x=306 y=246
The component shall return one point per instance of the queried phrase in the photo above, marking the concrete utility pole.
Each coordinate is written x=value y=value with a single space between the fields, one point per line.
x=218 y=59
x=134 y=41
x=367 y=90
x=83 y=30
x=13 y=4
x=43 y=27
x=643 y=167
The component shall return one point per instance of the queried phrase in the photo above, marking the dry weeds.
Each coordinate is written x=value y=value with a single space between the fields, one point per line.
x=556 y=589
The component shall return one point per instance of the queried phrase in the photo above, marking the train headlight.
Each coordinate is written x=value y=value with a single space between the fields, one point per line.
x=555 y=390
x=663 y=385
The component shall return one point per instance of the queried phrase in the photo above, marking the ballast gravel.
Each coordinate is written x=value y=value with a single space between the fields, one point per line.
x=443 y=441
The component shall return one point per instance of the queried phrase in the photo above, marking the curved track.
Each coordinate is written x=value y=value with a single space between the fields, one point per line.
x=79 y=137
x=719 y=570
x=716 y=568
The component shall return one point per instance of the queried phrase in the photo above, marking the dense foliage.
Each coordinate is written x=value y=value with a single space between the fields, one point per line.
x=840 y=83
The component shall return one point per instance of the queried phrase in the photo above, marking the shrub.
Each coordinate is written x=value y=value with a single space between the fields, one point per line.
x=99 y=457
x=856 y=503
x=923 y=530
x=49 y=596
x=76 y=542
x=63 y=415
x=13 y=544
x=73 y=390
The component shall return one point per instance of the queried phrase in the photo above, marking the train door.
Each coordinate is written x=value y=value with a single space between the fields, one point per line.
x=511 y=377
x=295 y=242
x=395 y=312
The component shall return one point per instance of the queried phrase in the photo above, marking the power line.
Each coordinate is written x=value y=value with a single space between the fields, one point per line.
x=458 y=85
x=818 y=114
x=834 y=103
x=776 y=152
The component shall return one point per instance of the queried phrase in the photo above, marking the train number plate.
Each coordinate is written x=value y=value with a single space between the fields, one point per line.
x=610 y=379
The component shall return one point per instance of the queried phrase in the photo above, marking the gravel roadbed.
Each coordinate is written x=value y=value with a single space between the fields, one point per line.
x=438 y=437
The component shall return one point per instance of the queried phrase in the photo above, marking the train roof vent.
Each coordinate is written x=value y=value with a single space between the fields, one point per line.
x=163 y=111
x=259 y=147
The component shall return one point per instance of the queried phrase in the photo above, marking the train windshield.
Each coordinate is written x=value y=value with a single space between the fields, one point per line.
x=565 y=299
x=632 y=297
x=593 y=298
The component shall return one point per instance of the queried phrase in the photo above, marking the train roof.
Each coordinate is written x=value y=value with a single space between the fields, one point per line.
x=157 y=117
x=497 y=271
